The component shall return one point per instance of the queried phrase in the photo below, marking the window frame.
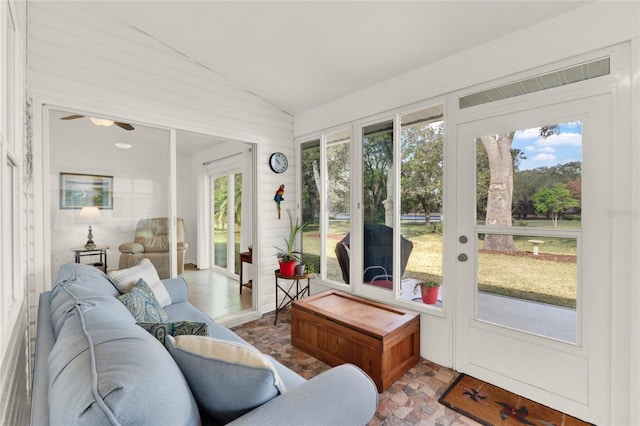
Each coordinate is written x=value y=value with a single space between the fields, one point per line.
x=12 y=284
x=357 y=287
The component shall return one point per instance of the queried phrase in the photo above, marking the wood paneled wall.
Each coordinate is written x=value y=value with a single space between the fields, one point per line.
x=15 y=376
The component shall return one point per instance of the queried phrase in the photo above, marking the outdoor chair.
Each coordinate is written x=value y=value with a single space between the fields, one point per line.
x=378 y=255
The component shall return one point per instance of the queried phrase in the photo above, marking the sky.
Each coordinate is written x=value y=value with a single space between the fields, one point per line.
x=562 y=148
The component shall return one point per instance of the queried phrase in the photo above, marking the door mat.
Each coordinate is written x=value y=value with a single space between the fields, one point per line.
x=493 y=406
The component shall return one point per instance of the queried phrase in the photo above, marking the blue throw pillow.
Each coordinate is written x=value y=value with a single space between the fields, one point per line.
x=227 y=378
x=142 y=304
x=160 y=330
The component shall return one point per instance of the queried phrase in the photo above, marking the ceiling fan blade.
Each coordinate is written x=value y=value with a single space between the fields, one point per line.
x=125 y=126
x=72 y=117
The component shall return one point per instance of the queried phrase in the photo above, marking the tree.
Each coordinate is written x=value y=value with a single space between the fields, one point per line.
x=500 y=191
x=377 y=161
x=221 y=199
x=552 y=201
x=310 y=188
x=421 y=172
x=339 y=177
x=575 y=187
x=502 y=163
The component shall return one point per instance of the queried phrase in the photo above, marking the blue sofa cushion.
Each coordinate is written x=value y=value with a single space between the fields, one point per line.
x=104 y=372
x=142 y=304
x=83 y=283
x=160 y=330
x=227 y=378
x=87 y=276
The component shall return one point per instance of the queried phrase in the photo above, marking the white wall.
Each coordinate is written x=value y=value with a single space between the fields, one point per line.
x=83 y=59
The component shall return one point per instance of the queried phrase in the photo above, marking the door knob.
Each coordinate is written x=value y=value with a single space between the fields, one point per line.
x=462 y=257
x=463 y=239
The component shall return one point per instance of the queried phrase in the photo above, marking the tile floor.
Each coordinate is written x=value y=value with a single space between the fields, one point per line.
x=412 y=400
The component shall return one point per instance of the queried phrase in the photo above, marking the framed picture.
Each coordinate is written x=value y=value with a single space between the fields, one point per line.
x=78 y=191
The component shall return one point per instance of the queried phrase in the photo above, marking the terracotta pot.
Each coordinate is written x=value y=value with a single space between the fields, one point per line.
x=287 y=268
x=430 y=295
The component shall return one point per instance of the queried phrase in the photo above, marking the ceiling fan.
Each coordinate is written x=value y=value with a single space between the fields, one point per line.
x=101 y=122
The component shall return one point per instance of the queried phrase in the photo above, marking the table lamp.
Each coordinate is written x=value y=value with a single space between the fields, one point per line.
x=91 y=215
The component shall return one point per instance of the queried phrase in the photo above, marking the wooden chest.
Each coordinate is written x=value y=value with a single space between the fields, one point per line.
x=339 y=328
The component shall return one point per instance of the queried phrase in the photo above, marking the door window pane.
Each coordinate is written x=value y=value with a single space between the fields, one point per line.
x=529 y=180
x=533 y=288
x=237 y=218
x=219 y=219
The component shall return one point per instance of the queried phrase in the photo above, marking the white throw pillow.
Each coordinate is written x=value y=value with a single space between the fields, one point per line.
x=125 y=279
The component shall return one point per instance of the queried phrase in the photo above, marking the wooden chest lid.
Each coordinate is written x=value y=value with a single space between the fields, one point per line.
x=373 y=318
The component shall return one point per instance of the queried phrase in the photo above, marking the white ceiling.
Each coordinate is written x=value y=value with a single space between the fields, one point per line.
x=301 y=54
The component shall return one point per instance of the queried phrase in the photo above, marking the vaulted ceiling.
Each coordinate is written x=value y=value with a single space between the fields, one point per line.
x=301 y=54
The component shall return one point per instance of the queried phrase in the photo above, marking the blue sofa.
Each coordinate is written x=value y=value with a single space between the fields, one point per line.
x=95 y=366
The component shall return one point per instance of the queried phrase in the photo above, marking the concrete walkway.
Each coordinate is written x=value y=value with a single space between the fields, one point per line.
x=546 y=320
x=539 y=318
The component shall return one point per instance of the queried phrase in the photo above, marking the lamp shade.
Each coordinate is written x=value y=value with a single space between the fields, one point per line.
x=90 y=215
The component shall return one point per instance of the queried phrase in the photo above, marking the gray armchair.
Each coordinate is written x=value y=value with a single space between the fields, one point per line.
x=152 y=242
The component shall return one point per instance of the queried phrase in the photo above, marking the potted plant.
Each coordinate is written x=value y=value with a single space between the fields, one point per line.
x=288 y=257
x=429 y=289
x=310 y=267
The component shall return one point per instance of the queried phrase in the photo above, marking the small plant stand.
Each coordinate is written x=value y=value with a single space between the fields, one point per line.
x=294 y=291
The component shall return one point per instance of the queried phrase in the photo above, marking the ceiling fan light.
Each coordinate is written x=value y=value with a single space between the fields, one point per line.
x=123 y=145
x=101 y=122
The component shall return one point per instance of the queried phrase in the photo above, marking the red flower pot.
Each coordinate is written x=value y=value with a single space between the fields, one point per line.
x=430 y=295
x=287 y=268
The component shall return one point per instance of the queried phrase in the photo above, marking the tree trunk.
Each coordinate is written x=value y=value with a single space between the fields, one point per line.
x=500 y=194
x=316 y=181
x=388 y=203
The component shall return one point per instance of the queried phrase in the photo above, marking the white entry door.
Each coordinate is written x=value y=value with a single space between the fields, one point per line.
x=532 y=286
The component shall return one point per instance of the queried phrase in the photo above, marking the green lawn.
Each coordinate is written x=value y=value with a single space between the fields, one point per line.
x=543 y=279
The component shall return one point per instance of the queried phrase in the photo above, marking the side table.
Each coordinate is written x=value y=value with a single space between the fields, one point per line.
x=294 y=284
x=98 y=250
x=246 y=257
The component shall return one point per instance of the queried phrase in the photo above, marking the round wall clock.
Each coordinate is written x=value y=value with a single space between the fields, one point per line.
x=278 y=162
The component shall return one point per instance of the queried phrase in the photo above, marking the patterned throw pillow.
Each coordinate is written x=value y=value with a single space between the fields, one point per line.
x=219 y=370
x=142 y=304
x=125 y=279
x=160 y=330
